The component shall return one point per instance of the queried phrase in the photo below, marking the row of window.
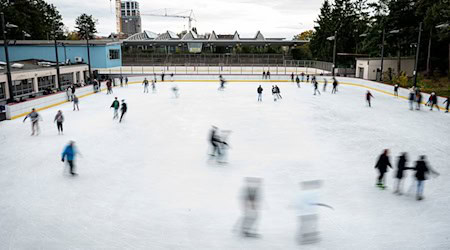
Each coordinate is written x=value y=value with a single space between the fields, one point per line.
x=2 y=91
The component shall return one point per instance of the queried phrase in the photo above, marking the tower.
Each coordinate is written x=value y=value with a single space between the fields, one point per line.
x=130 y=17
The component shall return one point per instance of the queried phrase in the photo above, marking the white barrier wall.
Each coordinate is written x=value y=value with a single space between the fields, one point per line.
x=17 y=109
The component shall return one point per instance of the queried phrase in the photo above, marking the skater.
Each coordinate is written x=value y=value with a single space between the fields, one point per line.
x=162 y=77
x=316 y=85
x=153 y=86
x=126 y=81
x=69 y=154
x=264 y=74
x=325 y=82
x=73 y=91
x=422 y=170
x=274 y=93
x=108 y=87
x=382 y=166
x=75 y=103
x=260 y=90
x=307 y=212
x=335 y=84
x=401 y=167
x=171 y=77
x=251 y=199
x=216 y=142
x=268 y=74
x=69 y=93
x=145 y=83
x=411 y=98
x=434 y=101
x=116 y=106
x=123 y=109
x=396 y=90
x=222 y=83
x=418 y=99
x=59 y=119
x=278 y=93
x=303 y=76
x=175 y=91
x=448 y=104
x=35 y=118
x=369 y=96
x=298 y=81
x=307 y=78
x=292 y=77
x=121 y=81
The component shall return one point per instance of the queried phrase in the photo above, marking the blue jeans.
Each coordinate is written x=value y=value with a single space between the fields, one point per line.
x=420 y=187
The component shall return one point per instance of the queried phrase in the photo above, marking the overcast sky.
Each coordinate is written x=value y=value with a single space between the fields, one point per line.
x=274 y=18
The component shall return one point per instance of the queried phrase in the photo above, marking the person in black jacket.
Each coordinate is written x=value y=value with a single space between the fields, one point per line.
x=382 y=166
x=292 y=77
x=298 y=81
x=447 y=105
x=123 y=109
x=422 y=170
x=401 y=167
x=434 y=101
x=260 y=90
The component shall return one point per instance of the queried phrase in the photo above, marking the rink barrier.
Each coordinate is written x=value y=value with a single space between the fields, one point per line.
x=45 y=102
x=383 y=90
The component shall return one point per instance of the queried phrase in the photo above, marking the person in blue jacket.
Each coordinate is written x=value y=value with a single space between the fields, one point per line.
x=69 y=154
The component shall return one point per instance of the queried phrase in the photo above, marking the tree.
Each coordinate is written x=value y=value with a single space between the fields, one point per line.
x=305 y=35
x=85 y=24
x=34 y=17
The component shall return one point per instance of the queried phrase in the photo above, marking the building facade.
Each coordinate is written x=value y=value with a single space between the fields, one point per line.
x=130 y=17
x=370 y=68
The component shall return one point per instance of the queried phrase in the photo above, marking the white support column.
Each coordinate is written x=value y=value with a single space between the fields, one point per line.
x=35 y=84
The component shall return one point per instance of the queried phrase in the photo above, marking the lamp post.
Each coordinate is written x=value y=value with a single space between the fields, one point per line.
x=417 y=55
x=58 y=75
x=334 y=50
x=8 y=68
x=89 y=55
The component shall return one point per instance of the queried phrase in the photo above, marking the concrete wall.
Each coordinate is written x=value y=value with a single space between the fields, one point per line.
x=20 y=75
x=19 y=109
x=99 y=54
x=370 y=67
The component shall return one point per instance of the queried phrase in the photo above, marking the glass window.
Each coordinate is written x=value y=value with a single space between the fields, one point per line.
x=23 y=87
x=133 y=13
x=2 y=91
x=66 y=80
x=46 y=82
x=114 y=54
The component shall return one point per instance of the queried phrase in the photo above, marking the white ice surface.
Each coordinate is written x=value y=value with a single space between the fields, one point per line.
x=147 y=183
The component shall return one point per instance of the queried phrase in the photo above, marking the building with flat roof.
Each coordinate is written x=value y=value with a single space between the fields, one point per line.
x=130 y=17
x=370 y=68
x=103 y=53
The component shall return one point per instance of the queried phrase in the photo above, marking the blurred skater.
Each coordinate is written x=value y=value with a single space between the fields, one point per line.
x=126 y=81
x=145 y=83
x=69 y=154
x=418 y=99
x=396 y=90
x=308 y=203
x=222 y=83
x=369 y=96
x=251 y=199
x=316 y=85
x=292 y=77
x=268 y=74
x=278 y=92
x=123 y=109
x=325 y=82
x=335 y=84
x=297 y=80
x=307 y=78
x=422 y=170
x=382 y=165
x=121 y=81
x=73 y=89
x=153 y=87
x=162 y=77
x=35 y=118
x=411 y=98
x=108 y=87
x=216 y=142
x=171 y=77
x=264 y=74
x=175 y=91
x=448 y=104
x=59 y=119
x=433 y=101
x=260 y=91
x=401 y=167
x=274 y=93
x=69 y=93
x=116 y=106
x=303 y=76
x=75 y=103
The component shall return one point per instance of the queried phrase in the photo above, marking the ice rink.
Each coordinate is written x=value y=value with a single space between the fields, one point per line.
x=148 y=182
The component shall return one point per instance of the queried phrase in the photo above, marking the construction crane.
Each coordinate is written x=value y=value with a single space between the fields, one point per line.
x=190 y=17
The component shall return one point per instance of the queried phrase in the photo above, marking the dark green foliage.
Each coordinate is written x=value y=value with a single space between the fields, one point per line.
x=85 y=24
x=35 y=17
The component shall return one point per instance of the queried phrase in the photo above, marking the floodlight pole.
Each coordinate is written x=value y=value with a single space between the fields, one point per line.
x=417 y=55
x=89 y=56
x=8 y=68
x=334 y=52
x=382 y=54
x=58 y=76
